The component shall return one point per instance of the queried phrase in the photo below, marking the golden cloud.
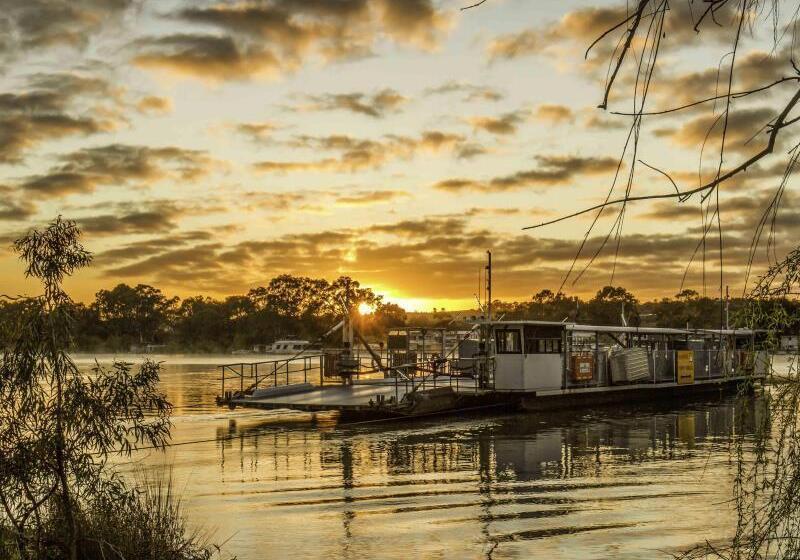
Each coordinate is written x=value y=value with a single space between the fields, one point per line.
x=278 y=36
x=116 y=165
x=552 y=170
x=357 y=154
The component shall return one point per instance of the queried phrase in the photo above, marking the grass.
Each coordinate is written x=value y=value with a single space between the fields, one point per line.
x=148 y=524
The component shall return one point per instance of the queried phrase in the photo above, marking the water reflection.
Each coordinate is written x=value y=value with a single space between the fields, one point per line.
x=630 y=483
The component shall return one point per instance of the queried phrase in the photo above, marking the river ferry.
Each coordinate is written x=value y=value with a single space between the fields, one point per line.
x=529 y=365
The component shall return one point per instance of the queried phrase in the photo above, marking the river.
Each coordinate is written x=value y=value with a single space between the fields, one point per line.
x=642 y=481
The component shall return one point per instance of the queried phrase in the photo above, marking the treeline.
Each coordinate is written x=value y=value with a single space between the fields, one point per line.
x=134 y=316
x=686 y=309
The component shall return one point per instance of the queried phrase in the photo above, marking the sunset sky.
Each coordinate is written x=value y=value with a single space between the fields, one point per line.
x=206 y=147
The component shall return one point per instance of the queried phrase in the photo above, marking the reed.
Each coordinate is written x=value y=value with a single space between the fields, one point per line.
x=147 y=523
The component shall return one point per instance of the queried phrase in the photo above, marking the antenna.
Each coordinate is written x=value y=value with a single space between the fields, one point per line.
x=727 y=308
x=489 y=287
x=478 y=295
x=347 y=330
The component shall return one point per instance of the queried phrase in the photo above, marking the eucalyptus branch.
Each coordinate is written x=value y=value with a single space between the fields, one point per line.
x=475 y=5
x=736 y=95
x=684 y=195
x=629 y=39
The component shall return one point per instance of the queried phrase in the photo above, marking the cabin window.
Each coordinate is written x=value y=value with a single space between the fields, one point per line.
x=542 y=339
x=547 y=346
x=509 y=341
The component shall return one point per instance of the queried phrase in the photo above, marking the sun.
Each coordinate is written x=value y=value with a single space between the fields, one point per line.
x=365 y=309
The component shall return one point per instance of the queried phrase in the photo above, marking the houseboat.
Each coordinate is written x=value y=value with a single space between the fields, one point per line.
x=287 y=346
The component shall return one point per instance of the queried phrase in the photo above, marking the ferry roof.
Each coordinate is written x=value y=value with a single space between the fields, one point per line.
x=636 y=330
x=729 y=331
x=575 y=327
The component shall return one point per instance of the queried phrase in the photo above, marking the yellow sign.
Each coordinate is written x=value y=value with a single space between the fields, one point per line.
x=685 y=367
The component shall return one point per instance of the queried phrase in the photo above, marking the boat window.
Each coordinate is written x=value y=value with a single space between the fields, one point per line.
x=508 y=341
x=542 y=339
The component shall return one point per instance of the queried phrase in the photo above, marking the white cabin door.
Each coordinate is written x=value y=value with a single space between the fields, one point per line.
x=543 y=371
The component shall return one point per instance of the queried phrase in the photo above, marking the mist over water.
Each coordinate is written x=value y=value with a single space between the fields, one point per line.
x=628 y=482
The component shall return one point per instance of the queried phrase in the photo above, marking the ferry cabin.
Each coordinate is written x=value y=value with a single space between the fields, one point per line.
x=550 y=358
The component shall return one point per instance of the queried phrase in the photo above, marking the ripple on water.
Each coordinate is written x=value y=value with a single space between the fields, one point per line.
x=631 y=483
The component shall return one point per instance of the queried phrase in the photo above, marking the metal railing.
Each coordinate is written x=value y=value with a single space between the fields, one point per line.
x=272 y=372
x=306 y=368
x=463 y=374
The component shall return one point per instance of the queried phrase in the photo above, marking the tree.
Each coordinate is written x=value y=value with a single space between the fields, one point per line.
x=549 y=306
x=687 y=295
x=291 y=305
x=608 y=305
x=767 y=482
x=385 y=317
x=346 y=290
x=59 y=427
x=391 y=315
x=138 y=314
x=544 y=296
x=298 y=305
x=202 y=324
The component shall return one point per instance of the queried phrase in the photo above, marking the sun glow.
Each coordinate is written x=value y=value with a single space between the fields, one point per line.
x=365 y=309
x=420 y=305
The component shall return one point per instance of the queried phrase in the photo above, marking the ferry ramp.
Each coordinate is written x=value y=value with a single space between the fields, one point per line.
x=372 y=397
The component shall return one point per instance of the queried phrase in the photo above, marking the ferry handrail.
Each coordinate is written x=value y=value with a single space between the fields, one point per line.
x=230 y=365
x=279 y=366
x=282 y=366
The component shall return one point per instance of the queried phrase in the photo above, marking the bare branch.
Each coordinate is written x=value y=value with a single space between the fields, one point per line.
x=779 y=124
x=736 y=95
x=664 y=173
x=606 y=33
x=631 y=32
x=475 y=5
